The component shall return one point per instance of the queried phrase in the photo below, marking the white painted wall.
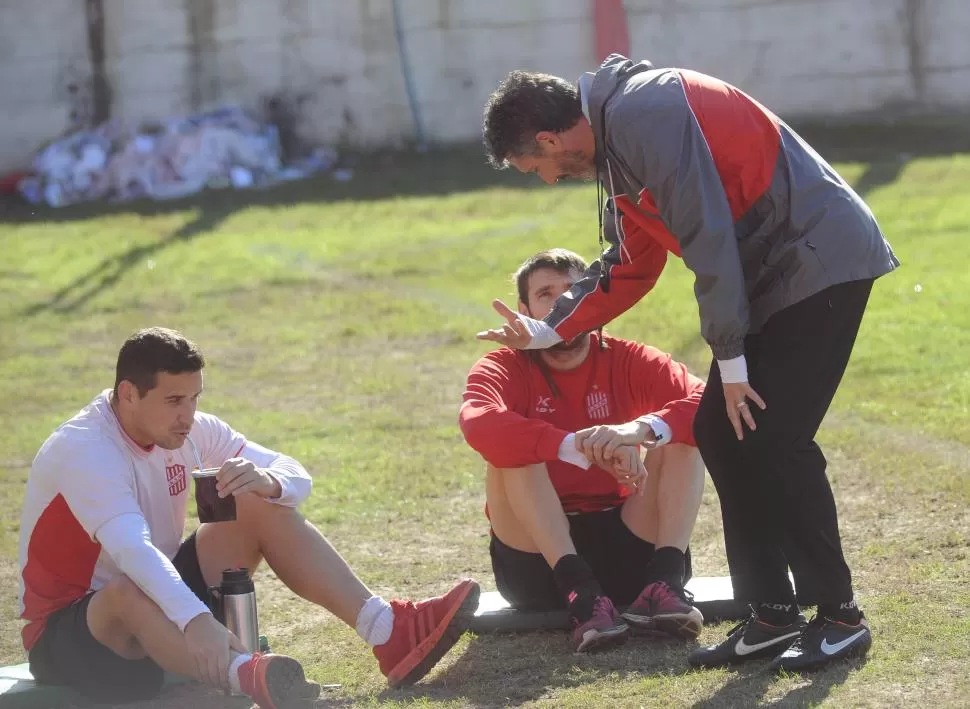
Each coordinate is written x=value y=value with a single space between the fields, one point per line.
x=800 y=57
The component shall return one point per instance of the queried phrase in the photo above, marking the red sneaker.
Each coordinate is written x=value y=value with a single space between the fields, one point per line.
x=277 y=682
x=423 y=632
x=661 y=608
x=603 y=628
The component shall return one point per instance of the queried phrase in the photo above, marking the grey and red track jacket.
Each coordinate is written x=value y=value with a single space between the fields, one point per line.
x=696 y=167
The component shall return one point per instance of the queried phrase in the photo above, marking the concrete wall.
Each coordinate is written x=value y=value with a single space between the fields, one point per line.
x=161 y=57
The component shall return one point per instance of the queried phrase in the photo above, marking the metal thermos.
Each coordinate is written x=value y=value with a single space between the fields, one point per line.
x=233 y=603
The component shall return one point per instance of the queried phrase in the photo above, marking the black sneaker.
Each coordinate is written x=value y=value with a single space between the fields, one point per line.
x=748 y=640
x=824 y=641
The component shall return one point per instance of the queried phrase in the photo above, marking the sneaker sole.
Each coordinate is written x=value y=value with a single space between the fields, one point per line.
x=678 y=625
x=286 y=685
x=425 y=656
x=604 y=641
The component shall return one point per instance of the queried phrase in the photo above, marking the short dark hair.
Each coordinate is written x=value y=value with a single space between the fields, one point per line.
x=561 y=260
x=524 y=104
x=154 y=350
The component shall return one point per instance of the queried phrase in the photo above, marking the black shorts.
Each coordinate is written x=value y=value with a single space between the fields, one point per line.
x=67 y=654
x=616 y=555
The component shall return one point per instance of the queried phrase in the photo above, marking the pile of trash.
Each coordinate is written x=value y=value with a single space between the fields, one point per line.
x=222 y=148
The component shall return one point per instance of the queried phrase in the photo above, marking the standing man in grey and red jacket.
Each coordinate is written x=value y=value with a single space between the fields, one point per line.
x=784 y=255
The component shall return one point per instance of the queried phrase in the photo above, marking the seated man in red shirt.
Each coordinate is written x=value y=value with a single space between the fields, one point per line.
x=568 y=532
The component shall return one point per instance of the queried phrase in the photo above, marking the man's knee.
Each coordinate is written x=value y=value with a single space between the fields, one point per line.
x=684 y=452
x=114 y=613
x=124 y=595
x=534 y=469
x=498 y=480
x=770 y=443
x=121 y=603
x=678 y=458
x=252 y=507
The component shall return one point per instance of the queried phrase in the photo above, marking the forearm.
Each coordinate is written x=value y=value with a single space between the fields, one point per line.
x=597 y=299
x=508 y=440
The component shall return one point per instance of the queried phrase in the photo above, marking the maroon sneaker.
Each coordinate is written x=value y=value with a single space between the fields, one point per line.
x=604 y=627
x=664 y=609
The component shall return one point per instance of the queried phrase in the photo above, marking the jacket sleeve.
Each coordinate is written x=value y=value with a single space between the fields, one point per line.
x=665 y=388
x=492 y=415
x=665 y=148
x=626 y=272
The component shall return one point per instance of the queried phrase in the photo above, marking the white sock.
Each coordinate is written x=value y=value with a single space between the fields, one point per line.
x=234 y=666
x=375 y=621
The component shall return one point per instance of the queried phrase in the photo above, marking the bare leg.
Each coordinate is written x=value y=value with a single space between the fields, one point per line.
x=666 y=512
x=297 y=552
x=122 y=618
x=525 y=511
x=125 y=620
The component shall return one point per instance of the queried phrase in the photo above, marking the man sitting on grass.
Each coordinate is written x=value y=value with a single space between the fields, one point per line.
x=560 y=430
x=112 y=594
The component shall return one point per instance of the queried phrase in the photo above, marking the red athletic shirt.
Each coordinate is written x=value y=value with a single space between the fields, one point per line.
x=511 y=415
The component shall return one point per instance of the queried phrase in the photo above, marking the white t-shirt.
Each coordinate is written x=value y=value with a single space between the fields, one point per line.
x=89 y=473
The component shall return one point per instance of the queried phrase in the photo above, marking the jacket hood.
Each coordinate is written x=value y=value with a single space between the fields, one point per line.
x=606 y=81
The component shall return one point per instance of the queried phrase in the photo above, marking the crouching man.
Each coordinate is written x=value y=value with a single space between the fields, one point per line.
x=561 y=430
x=112 y=593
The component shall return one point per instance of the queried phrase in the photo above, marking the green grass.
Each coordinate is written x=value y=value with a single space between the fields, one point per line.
x=338 y=320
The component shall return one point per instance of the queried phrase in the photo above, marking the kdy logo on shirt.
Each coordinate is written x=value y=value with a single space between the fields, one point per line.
x=176 y=479
x=544 y=405
x=597 y=405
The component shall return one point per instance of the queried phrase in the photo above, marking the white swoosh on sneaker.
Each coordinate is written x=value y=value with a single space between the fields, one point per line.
x=742 y=648
x=832 y=649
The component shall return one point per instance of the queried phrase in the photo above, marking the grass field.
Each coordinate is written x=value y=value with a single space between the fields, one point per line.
x=339 y=321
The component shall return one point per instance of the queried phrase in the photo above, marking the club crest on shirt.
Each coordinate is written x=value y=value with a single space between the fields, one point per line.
x=176 y=479
x=597 y=405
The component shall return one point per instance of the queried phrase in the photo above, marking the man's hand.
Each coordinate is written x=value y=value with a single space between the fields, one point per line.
x=736 y=401
x=208 y=642
x=238 y=475
x=627 y=467
x=600 y=442
x=513 y=333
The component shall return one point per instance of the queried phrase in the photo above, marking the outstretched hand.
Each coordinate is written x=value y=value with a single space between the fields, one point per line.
x=513 y=333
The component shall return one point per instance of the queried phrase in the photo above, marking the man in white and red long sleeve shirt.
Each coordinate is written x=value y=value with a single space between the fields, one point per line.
x=575 y=521
x=113 y=595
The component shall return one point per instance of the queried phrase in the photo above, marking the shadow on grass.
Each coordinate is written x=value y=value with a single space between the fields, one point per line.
x=886 y=140
x=449 y=170
x=376 y=176
x=513 y=669
x=111 y=269
x=885 y=147
x=749 y=686
x=878 y=174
